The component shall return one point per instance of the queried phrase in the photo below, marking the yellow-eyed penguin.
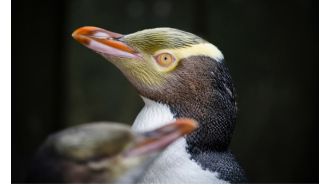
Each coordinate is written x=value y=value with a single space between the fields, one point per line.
x=177 y=74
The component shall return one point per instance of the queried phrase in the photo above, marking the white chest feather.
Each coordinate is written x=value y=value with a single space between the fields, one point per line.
x=174 y=164
x=153 y=115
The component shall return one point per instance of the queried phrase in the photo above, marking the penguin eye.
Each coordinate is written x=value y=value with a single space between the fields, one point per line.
x=165 y=59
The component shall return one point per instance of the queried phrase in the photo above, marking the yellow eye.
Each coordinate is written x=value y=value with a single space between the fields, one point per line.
x=165 y=59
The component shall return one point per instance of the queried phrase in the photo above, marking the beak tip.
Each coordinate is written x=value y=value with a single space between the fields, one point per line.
x=74 y=34
x=82 y=34
x=194 y=124
x=83 y=31
x=187 y=125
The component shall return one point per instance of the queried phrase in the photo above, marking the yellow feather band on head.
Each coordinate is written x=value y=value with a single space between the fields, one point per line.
x=202 y=49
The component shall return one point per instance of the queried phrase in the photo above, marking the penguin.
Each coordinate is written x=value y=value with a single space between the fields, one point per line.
x=177 y=74
x=102 y=152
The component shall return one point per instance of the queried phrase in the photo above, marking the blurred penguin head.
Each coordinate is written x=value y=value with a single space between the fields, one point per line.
x=102 y=153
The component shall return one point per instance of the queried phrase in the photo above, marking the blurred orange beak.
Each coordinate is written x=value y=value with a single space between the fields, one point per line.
x=160 y=138
x=104 y=42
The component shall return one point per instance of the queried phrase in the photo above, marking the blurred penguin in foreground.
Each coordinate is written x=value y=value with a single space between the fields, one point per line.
x=102 y=152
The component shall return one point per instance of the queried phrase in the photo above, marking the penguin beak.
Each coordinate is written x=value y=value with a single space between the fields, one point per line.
x=104 y=42
x=157 y=140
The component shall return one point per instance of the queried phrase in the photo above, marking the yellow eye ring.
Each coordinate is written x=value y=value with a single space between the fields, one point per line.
x=165 y=59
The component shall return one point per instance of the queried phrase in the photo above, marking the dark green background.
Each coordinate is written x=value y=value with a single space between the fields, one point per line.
x=271 y=48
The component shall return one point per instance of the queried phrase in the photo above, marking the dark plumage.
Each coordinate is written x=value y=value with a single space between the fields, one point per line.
x=224 y=163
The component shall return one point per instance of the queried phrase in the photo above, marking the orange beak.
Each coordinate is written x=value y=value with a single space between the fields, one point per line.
x=158 y=139
x=104 y=42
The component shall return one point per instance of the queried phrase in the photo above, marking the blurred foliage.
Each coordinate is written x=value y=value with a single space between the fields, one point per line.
x=271 y=48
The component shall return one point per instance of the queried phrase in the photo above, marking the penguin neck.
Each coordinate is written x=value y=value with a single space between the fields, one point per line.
x=206 y=95
x=216 y=119
x=212 y=103
x=153 y=115
x=175 y=159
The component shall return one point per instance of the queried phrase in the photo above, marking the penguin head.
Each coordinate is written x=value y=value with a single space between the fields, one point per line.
x=175 y=68
x=156 y=61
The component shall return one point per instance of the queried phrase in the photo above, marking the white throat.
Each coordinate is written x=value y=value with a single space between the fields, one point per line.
x=174 y=165
x=153 y=115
